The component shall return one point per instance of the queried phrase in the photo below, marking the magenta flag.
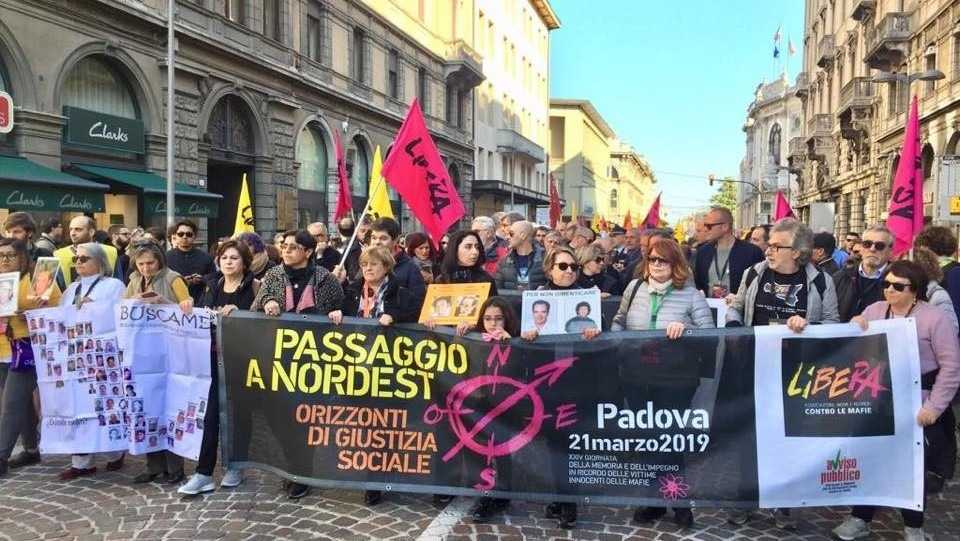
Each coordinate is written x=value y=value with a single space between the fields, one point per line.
x=344 y=199
x=782 y=208
x=905 y=212
x=652 y=221
x=415 y=170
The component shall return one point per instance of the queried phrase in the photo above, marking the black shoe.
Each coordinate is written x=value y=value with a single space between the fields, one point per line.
x=24 y=459
x=440 y=500
x=487 y=507
x=644 y=515
x=553 y=510
x=145 y=477
x=372 y=497
x=3 y=467
x=933 y=483
x=295 y=491
x=174 y=478
x=568 y=516
x=684 y=517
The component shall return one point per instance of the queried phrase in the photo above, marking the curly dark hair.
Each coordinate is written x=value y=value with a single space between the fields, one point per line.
x=939 y=239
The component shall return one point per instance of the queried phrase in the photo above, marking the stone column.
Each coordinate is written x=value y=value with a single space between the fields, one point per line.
x=38 y=137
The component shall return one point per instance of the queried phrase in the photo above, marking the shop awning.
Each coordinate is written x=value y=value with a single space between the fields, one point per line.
x=190 y=200
x=27 y=185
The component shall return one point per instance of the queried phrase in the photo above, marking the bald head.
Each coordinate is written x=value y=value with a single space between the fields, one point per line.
x=521 y=234
x=82 y=229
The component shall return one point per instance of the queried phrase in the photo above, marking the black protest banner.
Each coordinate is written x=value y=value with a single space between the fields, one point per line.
x=630 y=417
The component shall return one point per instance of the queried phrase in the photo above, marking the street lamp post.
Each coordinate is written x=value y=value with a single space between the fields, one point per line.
x=757 y=191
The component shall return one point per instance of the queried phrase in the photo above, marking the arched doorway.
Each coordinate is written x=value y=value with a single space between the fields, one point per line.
x=231 y=135
x=927 y=162
x=312 y=155
x=358 y=170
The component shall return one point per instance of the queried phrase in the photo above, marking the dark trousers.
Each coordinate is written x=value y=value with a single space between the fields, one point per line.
x=164 y=461
x=18 y=418
x=941 y=445
x=211 y=426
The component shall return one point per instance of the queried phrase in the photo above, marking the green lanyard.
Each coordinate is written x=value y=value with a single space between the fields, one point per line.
x=656 y=302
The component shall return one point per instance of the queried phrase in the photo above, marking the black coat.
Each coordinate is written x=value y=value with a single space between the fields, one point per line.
x=329 y=258
x=475 y=275
x=853 y=293
x=214 y=287
x=743 y=255
x=603 y=281
x=397 y=301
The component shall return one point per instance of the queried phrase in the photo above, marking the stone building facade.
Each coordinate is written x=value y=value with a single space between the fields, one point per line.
x=862 y=63
x=264 y=88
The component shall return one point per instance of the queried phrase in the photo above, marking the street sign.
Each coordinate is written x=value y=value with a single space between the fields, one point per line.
x=6 y=113
x=954 y=204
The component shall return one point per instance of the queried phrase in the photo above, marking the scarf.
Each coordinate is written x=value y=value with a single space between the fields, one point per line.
x=301 y=298
x=371 y=302
x=656 y=287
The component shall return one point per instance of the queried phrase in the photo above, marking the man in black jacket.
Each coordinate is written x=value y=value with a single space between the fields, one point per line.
x=859 y=287
x=722 y=260
x=386 y=232
x=193 y=264
x=823 y=247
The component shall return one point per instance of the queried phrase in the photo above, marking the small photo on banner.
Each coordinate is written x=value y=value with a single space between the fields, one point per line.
x=560 y=311
x=452 y=304
x=44 y=276
x=9 y=293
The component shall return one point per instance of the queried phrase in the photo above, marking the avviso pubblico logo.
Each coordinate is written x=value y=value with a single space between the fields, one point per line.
x=837 y=387
x=840 y=474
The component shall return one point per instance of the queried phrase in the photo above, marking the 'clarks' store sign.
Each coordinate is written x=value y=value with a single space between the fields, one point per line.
x=108 y=132
x=42 y=198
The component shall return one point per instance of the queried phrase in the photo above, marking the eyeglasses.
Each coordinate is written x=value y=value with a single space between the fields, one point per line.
x=564 y=267
x=876 y=245
x=652 y=260
x=8 y=257
x=187 y=234
x=711 y=226
x=899 y=287
x=81 y=259
x=777 y=247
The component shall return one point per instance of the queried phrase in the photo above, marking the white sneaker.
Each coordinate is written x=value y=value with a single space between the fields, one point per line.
x=852 y=528
x=231 y=478
x=913 y=534
x=198 y=484
x=783 y=519
x=738 y=517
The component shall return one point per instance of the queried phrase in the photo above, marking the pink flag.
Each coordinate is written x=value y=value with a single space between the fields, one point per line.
x=905 y=212
x=652 y=220
x=782 y=208
x=415 y=170
x=344 y=199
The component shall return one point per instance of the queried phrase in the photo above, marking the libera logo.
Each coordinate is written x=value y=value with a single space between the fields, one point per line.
x=100 y=130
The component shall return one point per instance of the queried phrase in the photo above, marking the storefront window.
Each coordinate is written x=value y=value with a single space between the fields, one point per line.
x=312 y=155
x=95 y=85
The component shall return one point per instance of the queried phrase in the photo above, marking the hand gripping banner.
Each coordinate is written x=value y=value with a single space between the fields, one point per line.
x=628 y=418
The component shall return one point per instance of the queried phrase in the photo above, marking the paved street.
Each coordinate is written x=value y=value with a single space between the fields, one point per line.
x=34 y=505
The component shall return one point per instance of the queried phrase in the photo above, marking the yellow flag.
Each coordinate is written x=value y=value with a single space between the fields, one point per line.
x=379 y=200
x=573 y=212
x=244 y=223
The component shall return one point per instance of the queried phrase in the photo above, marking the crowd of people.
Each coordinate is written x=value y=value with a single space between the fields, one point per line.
x=782 y=273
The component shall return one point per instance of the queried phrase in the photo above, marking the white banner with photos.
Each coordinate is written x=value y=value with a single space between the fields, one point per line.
x=131 y=377
x=551 y=311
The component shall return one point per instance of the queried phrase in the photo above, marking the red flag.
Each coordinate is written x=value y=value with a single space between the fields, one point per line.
x=782 y=208
x=652 y=220
x=905 y=211
x=555 y=211
x=344 y=199
x=627 y=222
x=415 y=170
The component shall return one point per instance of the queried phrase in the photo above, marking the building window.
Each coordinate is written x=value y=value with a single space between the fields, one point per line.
x=393 y=74
x=272 y=19
x=422 y=88
x=455 y=100
x=231 y=126
x=312 y=175
x=358 y=168
x=94 y=84
x=359 y=64
x=931 y=86
x=613 y=198
x=775 y=138
x=314 y=35
x=956 y=57
x=233 y=10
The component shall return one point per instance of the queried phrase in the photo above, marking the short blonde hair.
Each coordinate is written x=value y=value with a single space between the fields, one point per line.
x=588 y=253
x=552 y=257
x=378 y=254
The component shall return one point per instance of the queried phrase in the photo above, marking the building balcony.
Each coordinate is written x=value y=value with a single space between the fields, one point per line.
x=505 y=190
x=463 y=64
x=888 y=42
x=797 y=146
x=820 y=137
x=513 y=142
x=856 y=97
x=826 y=51
x=820 y=125
x=802 y=88
x=863 y=9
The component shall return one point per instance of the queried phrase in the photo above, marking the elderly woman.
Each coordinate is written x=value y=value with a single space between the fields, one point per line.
x=260 y=261
x=93 y=286
x=154 y=283
x=661 y=298
x=593 y=271
x=19 y=418
x=904 y=289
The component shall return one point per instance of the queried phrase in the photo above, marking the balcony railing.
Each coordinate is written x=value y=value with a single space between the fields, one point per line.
x=513 y=141
x=826 y=50
x=797 y=146
x=464 y=63
x=862 y=9
x=888 y=42
x=803 y=85
x=820 y=125
x=858 y=92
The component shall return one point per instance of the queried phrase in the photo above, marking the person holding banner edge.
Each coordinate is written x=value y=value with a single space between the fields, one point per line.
x=301 y=286
x=18 y=417
x=93 y=285
x=904 y=289
x=464 y=263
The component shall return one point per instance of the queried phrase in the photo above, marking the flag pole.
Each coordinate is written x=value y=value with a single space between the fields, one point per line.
x=171 y=52
x=356 y=226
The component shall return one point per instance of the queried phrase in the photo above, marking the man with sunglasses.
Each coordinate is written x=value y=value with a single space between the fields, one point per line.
x=851 y=239
x=723 y=258
x=81 y=231
x=522 y=267
x=859 y=287
x=193 y=264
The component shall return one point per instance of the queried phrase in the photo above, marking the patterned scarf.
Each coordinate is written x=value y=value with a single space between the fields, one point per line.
x=371 y=304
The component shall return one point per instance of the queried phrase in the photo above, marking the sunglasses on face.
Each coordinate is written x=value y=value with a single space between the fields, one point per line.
x=81 y=259
x=711 y=226
x=876 y=245
x=899 y=287
x=599 y=260
x=653 y=260
x=564 y=267
x=187 y=234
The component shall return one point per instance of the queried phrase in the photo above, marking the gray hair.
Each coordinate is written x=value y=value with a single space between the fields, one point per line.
x=802 y=237
x=97 y=253
x=483 y=222
x=879 y=228
x=145 y=247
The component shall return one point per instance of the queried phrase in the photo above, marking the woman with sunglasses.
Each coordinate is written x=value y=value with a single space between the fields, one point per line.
x=562 y=271
x=92 y=286
x=660 y=297
x=904 y=290
x=593 y=273
x=19 y=417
